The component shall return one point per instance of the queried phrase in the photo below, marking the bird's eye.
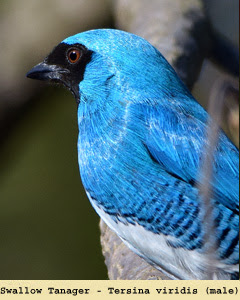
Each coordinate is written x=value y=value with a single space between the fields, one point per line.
x=73 y=55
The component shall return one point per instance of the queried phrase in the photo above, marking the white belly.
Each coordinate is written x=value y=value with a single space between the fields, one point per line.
x=177 y=263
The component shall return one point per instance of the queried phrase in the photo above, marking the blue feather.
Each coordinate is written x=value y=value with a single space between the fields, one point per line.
x=141 y=141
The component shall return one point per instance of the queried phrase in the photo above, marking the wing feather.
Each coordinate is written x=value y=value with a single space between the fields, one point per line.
x=177 y=139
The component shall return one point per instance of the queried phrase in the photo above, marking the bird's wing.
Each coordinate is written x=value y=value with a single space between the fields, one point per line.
x=176 y=139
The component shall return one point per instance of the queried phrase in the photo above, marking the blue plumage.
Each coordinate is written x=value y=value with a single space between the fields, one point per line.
x=141 y=141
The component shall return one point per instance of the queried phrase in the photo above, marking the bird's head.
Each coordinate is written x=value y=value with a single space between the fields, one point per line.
x=88 y=62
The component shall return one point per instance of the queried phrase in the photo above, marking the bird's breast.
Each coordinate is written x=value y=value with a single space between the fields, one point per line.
x=107 y=155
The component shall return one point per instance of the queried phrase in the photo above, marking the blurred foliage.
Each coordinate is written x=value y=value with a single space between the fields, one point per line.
x=48 y=228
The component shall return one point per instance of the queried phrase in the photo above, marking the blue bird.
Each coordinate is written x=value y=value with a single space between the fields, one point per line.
x=141 y=140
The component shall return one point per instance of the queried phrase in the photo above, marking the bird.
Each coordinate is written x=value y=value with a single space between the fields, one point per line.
x=141 y=142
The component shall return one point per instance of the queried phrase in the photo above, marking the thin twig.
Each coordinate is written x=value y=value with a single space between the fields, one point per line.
x=215 y=109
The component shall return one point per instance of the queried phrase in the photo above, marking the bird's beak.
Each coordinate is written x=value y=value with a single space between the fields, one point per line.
x=44 y=71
